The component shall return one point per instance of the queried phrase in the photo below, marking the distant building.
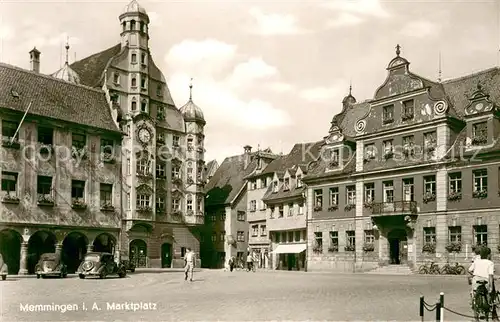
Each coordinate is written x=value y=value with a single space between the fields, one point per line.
x=210 y=169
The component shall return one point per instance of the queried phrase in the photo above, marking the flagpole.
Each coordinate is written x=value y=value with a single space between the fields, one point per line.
x=22 y=120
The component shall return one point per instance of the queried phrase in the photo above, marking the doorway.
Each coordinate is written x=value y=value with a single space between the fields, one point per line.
x=138 y=251
x=166 y=255
x=398 y=246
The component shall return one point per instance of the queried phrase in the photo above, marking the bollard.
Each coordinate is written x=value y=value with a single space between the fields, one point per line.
x=438 y=312
x=441 y=306
x=422 y=308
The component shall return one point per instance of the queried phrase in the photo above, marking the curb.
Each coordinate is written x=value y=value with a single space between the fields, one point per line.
x=137 y=271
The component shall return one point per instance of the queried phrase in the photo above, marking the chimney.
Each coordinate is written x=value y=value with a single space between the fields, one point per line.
x=246 y=155
x=35 y=60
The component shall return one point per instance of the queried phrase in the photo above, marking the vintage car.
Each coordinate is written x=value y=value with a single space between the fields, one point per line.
x=125 y=260
x=3 y=268
x=50 y=264
x=100 y=264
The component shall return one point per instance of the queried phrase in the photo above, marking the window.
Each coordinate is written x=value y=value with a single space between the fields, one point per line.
x=161 y=172
x=78 y=141
x=142 y=28
x=263 y=182
x=255 y=230
x=189 y=204
x=44 y=186
x=318 y=240
x=351 y=195
x=142 y=167
x=176 y=170
x=369 y=236
x=134 y=82
x=175 y=140
x=144 y=107
x=408 y=189
x=481 y=234
x=143 y=56
x=369 y=192
x=351 y=239
x=370 y=151
x=77 y=189
x=214 y=237
x=107 y=147
x=334 y=196
x=240 y=236
x=297 y=234
x=388 y=149
x=253 y=184
x=290 y=236
x=143 y=83
x=290 y=209
x=222 y=235
x=480 y=180
x=299 y=181
x=280 y=209
x=9 y=182
x=334 y=241
x=430 y=185
x=388 y=114
x=429 y=142
x=455 y=182
x=275 y=186
x=160 y=204
x=116 y=78
x=9 y=129
x=263 y=205
x=132 y=25
x=159 y=90
x=199 y=202
x=106 y=194
x=301 y=208
x=388 y=187
x=241 y=216
x=318 y=198
x=479 y=133
x=253 y=205
x=286 y=185
x=124 y=24
x=273 y=209
x=408 y=110
x=176 y=204
x=133 y=106
x=263 y=231
x=408 y=145
x=45 y=135
x=134 y=59
x=277 y=237
x=455 y=234
x=143 y=201
x=430 y=235
x=223 y=217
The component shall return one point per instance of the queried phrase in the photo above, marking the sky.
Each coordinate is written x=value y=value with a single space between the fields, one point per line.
x=266 y=73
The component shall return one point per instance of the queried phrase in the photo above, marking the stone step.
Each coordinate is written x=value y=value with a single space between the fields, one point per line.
x=392 y=270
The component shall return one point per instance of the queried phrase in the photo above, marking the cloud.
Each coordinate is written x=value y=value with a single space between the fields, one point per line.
x=280 y=87
x=273 y=24
x=344 y=20
x=62 y=39
x=358 y=7
x=215 y=93
x=6 y=33
x=420 y=29
x=154 y=19
x=321 y=94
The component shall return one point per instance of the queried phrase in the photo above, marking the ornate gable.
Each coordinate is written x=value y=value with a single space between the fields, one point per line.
x=144 y=189
x=479 y=103
x=335 y=135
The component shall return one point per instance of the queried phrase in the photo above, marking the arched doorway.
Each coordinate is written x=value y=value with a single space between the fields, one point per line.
x=138 y=252
x=40 y=242
x=73 y=249
x=104 y=243
x=10 y=248
x=398 y=246
x=166 y=255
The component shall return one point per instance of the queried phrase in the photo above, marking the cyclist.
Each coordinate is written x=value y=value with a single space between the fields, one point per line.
x=482 y=270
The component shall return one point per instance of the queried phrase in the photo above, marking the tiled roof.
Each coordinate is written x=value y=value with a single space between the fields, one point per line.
x=210 y=165
x=90 y=69
x=293 y=192
x=318 y=169
x=228 y=180
x=54 y=98
x=351 y=115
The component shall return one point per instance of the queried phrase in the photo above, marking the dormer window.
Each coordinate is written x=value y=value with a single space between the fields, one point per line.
x=299 y=181
x=275 y=186
x=334 y=161
x=479 y=133
x=286 y=185
x=116 y=78
x=408 y=110
x=388 y=114
x=369 y=152
x=134 y=58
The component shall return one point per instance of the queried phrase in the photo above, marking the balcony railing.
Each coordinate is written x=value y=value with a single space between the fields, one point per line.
x=394 y=208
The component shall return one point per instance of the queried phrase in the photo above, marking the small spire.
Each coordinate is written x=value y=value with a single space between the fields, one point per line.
x=398 y=50
x=439 y=72
x=67 y=50
x=350 y=87
x=191 y=90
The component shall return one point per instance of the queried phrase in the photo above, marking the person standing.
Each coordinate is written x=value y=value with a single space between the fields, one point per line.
x=189 y=261
x=232 y=262
x=249 y=262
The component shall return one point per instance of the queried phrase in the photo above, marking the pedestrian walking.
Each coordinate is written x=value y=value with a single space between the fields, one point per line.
x=189 y=261
x=232 y=263
x=249 y=262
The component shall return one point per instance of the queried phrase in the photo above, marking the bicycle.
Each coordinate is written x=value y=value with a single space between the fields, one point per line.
x=430 y=268
x=456 y=269
x=252 y=267
x=481 y=305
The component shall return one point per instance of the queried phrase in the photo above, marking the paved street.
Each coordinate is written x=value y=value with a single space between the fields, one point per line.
x=237 y=296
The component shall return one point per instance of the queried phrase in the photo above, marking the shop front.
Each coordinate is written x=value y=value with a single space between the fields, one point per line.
x=290 y=257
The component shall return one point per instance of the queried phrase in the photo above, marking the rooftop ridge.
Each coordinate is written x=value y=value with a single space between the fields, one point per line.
x=456 y=79
x=27 y=71
x=95 y=54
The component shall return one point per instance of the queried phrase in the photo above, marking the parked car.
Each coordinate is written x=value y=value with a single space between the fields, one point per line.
x=125 y=260
x=3 y=268
x=50 y=264
x=100 y=264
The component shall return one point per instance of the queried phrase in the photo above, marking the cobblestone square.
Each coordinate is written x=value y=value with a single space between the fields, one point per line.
x=236 y=296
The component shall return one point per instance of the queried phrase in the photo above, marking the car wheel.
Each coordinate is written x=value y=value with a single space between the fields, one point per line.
x=81 y=276
x=122 y=274
x=102 y=275
x=37 y=275
x=65 y=275
x=4 y=277
x=132 y=270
